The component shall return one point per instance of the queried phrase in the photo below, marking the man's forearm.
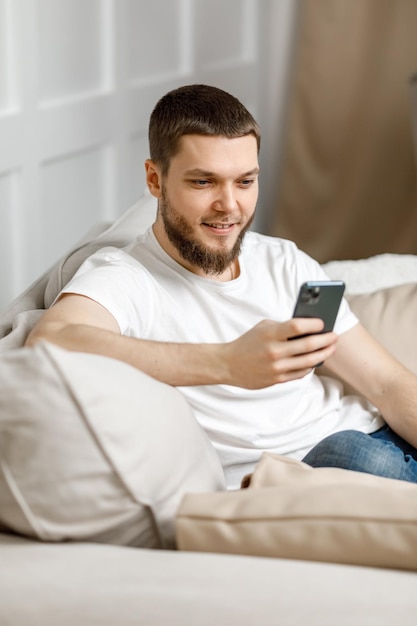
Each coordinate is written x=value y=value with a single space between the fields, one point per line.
x=259 y=358
x=175 y=364
x=366 y=365
x=398 y=405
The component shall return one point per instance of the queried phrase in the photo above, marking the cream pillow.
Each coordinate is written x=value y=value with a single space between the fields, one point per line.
x=93 y=449
x=391 y=316
x=294 y=511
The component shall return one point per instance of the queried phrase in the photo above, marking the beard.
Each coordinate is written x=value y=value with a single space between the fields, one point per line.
x=180 y=234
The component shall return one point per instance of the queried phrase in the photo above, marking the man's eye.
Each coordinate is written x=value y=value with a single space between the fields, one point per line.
x=200 y=182
x=247 y=182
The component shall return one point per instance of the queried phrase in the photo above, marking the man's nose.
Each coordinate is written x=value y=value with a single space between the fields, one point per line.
x=226 y=200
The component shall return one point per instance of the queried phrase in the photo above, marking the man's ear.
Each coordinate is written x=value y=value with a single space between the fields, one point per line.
x=153 y=178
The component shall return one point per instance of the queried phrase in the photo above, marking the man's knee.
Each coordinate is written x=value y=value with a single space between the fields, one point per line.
x=353 y=450
x=347 y=449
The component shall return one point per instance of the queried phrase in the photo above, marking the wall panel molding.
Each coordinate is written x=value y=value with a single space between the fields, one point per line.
x=78 y=81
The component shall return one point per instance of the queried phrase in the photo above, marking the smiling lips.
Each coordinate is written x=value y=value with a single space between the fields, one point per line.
x=219 y=226
x=221 y=230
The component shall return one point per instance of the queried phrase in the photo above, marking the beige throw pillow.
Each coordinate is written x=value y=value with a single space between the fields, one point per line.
x=391 y=316
x=93 y=449
x=294 y=511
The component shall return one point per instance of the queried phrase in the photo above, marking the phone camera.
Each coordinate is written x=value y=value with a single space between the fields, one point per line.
x=311 y=295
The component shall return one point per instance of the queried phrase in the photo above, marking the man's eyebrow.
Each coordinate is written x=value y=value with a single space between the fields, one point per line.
x=197 y=172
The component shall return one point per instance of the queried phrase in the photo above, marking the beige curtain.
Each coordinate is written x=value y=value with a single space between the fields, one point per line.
x=348 y=187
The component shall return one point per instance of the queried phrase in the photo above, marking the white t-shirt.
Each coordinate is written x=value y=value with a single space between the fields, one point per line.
x=153 y=297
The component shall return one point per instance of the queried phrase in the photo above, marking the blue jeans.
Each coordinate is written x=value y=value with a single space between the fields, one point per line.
x=383 y=453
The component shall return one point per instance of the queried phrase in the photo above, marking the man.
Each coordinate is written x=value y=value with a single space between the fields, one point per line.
x=200 y=303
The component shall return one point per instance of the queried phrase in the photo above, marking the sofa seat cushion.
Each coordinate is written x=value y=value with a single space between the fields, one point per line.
x=293 y=511
x=93 y=449
x=104 y=585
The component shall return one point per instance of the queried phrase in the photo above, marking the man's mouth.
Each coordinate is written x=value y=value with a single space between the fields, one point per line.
x=219 y=226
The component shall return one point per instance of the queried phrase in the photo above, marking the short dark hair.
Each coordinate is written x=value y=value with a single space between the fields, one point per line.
x=196 y=110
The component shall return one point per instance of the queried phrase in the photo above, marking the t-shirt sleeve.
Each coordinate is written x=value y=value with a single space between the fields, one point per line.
x=117 y=282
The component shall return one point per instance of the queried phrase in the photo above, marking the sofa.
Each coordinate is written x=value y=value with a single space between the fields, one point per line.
x=113 y=509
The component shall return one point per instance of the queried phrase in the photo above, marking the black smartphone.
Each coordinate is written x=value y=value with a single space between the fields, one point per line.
x=320 y=299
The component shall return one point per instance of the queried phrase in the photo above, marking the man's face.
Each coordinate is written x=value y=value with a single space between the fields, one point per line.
x=206 y=201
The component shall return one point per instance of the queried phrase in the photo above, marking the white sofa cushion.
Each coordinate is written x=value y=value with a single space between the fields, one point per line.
x=119 y=234
x=93 y=449
x=377 y=272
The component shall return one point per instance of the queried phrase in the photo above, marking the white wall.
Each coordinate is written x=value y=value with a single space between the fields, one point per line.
x=78 y=80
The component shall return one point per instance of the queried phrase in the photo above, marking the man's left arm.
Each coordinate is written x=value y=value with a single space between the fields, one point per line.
x=365 y=364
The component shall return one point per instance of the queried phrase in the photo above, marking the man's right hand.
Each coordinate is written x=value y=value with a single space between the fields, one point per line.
x=263 y=356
